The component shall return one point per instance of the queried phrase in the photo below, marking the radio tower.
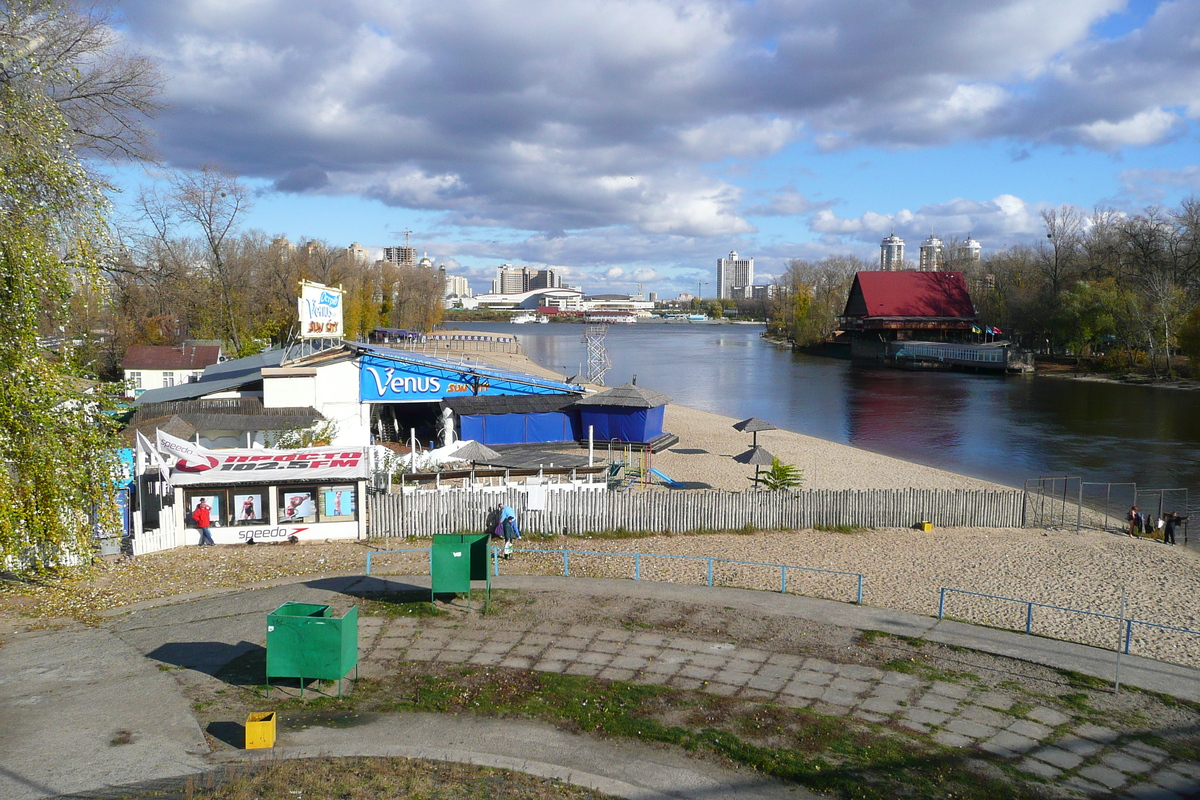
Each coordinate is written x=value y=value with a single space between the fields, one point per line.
x=598 y=361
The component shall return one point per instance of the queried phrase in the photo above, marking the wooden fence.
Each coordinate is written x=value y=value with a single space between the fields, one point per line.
x=427 y=513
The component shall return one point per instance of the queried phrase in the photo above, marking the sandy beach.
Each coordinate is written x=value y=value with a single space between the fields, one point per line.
x=905 y=569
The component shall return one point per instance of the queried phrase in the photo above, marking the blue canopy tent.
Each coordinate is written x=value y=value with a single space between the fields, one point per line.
x=628 y=413
x=516 y=419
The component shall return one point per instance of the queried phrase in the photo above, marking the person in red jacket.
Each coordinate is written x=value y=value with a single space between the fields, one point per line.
x=202 y=516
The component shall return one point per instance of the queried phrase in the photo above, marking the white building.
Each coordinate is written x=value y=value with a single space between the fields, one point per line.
x=931 y=254
x=456 y=286
x=157 y=366
x=564 y=298
x=970 y=251
x=358 y=254
x=891 y=253
x=733 y=272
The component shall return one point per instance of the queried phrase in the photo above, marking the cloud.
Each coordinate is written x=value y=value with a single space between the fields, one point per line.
x=624 y=129
x=1004 y=220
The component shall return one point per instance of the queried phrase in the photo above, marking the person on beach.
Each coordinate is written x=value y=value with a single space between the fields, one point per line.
x=508 y=529
x=202 y=516
x=1170 y=520
x=1134 y=517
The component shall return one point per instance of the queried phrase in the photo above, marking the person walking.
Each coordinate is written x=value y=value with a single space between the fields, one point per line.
x=202 y=516
x=508 y=529
x=1134 y=518
x=1170 y=520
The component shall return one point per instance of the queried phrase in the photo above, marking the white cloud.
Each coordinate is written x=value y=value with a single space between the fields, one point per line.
x=1146 y=127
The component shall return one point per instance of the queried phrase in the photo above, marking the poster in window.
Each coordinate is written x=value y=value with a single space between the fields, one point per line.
x=297 y=506
x=249 y=508
x=337 y=503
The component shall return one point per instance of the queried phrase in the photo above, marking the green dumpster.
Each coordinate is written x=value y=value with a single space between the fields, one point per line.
x=305 y=640
x=455 y=560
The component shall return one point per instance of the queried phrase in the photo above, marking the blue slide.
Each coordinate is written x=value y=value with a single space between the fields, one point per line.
x=666 y=480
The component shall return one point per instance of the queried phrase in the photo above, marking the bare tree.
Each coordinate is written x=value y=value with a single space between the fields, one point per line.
x=71 y=55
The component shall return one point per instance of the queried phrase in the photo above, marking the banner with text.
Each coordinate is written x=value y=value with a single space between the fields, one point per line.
x=196 y=466
x=320 y=311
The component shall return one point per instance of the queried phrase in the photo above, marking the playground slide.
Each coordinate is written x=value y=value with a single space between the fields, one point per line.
x=674 y=484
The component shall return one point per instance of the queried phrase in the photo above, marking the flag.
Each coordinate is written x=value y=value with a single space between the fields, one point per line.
x=976 y=329
x=183 y=450
x=989 y=330
x=156 y=460
x=997 y=331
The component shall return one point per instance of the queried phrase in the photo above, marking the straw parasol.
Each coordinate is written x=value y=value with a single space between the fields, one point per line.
x=758 y=456
x=754 y=425
x=475 y=452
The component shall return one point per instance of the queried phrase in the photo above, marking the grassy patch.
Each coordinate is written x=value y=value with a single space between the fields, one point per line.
x=1077 y=680
x=915 y=666
x=380 y=777
x=841 y=528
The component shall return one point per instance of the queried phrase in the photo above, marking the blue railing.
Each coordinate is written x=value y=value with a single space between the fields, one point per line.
x=637 y=565
x=1030 y=605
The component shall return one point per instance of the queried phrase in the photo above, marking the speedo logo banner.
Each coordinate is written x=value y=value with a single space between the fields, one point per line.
x=192 y=465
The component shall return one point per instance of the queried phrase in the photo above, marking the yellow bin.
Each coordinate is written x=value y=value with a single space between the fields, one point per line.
x=260 y=730
x=925 y=526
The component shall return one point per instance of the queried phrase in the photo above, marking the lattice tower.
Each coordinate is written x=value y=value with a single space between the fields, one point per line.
x=598 y=362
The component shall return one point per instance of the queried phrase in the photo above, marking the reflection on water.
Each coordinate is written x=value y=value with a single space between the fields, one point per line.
x=1000 y=428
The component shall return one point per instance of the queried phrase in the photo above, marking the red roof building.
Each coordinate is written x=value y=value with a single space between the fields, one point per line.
x=149 y=366
x=909 y=301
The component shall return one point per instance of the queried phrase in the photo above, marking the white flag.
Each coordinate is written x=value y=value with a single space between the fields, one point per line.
x=156 y=460
x=182 y=450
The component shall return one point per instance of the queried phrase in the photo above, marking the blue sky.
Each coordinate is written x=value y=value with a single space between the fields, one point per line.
x=636 y=141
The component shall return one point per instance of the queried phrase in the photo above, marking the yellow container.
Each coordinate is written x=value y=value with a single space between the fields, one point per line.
x=925 y=526
x=260 y=730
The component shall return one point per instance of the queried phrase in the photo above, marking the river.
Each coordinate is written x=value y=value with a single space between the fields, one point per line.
x=1005 y=429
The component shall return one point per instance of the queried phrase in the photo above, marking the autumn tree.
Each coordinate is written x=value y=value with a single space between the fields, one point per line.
x=65 y=90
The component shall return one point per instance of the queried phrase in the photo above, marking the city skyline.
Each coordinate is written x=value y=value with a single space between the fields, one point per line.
x=625 y=143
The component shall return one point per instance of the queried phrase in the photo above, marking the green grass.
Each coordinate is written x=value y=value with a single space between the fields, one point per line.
x=850 y=529
x=398 y=604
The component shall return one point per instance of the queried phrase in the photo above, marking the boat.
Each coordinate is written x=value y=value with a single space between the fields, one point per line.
x=529 y=317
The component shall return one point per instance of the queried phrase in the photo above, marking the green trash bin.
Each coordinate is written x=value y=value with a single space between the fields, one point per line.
x=305 y=640
x=455 y=560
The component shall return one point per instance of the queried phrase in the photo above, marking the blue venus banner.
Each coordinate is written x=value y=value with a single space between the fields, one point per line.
x=383 y=380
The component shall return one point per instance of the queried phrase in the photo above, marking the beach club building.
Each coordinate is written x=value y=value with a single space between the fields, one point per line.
x=370 y=394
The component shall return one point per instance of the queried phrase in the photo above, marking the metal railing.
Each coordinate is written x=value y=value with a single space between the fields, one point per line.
x=1127 y=623
x=711 y=561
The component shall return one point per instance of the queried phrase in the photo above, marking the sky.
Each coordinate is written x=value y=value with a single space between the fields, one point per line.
x=627 y=142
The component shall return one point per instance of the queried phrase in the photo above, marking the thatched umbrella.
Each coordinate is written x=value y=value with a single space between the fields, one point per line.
x=475 y=452
x=754 y=425
x=758 y=456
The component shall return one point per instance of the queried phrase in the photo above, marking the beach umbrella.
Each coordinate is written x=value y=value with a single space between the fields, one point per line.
x=754 y=425
x=758 y=456
x=474 y=451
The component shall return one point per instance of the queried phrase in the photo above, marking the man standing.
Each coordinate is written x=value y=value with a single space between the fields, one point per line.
x=1170 y=520
x=508 y=529
x=202 y=516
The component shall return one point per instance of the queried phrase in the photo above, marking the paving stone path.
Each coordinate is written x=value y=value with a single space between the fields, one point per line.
x=1080 y=757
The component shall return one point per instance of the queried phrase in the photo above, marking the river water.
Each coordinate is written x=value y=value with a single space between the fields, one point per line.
x=1005 y=429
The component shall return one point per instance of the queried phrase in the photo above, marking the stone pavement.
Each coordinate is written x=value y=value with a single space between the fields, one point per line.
x=1081 y=758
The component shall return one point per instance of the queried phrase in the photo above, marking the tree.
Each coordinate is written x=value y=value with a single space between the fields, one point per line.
x=779 y=477
x=62 y=89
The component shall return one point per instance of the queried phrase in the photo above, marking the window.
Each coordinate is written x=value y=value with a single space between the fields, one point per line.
x=214 y=501
x=337 y=503
x=297 y=504
x=168 y=379
x=135 y=379
x=249 y=506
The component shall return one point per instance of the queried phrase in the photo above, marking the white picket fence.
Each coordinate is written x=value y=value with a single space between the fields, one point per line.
x=427 y=513
x=153 y=541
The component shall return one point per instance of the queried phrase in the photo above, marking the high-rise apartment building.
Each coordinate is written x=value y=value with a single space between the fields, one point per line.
x=358 y=254
x=891 y=253
x=733 y=272
x=970 y=251
x=931 y=254
x=545 y=279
